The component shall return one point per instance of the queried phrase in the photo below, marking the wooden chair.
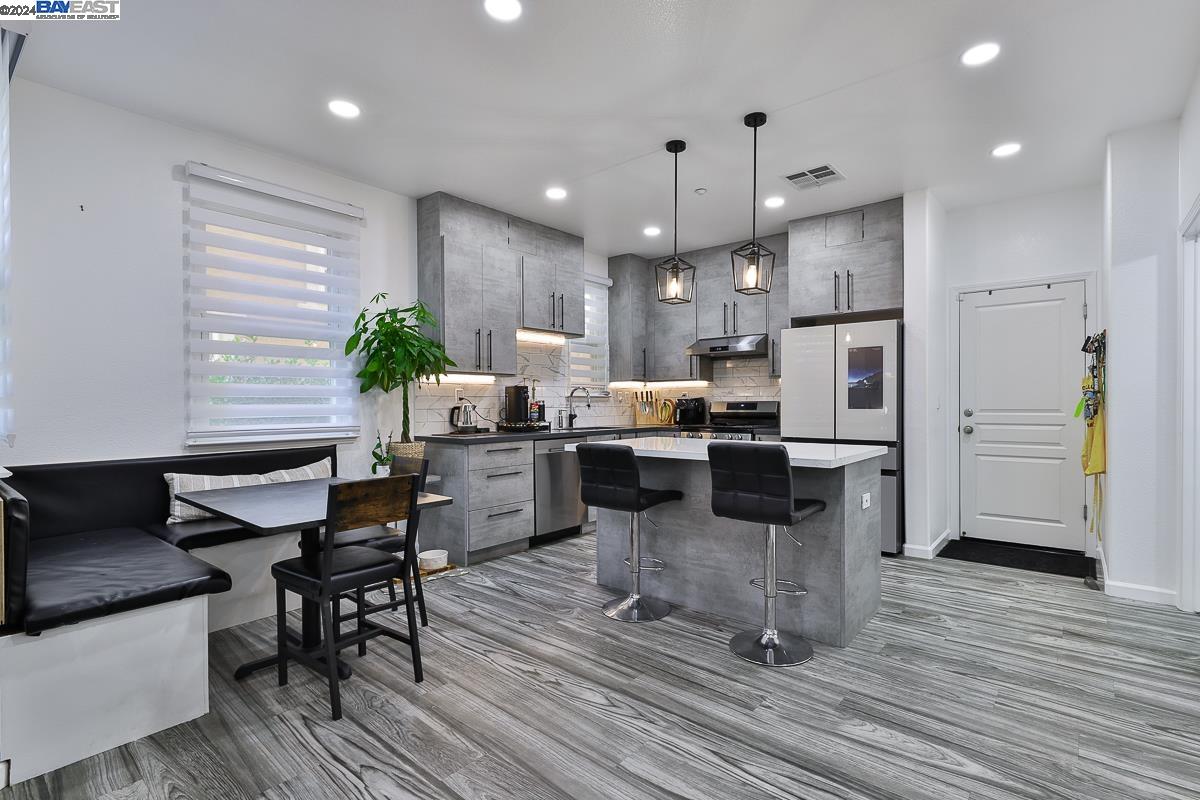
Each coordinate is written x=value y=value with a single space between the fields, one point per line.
x=383 y=537
x=350 y=569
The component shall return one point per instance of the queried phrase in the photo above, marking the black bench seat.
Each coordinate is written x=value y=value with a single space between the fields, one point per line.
x=196 y=533
x=84 y=576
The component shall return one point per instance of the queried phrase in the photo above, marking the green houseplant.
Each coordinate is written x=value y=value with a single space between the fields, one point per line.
x=395 y=354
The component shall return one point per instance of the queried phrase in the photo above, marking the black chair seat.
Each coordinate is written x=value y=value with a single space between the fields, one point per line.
x=649 y=498
x=805 y=508
x=200 y=533
x=378 y=537
x=84 y=576
x=352 y=567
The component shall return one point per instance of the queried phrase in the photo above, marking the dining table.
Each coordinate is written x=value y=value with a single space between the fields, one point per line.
x=272 y=509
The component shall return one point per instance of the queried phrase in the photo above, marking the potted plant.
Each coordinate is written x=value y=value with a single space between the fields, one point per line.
x=395 y=354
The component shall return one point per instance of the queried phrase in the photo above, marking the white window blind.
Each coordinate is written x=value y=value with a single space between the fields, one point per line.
x=272 y=290
x=588 y=357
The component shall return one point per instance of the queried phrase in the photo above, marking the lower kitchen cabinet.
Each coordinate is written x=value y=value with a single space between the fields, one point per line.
x=493 y=490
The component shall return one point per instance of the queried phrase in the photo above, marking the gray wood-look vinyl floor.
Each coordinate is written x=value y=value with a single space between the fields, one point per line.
x=972 y=682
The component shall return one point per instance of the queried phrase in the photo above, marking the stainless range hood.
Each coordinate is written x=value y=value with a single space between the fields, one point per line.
x=730 y=346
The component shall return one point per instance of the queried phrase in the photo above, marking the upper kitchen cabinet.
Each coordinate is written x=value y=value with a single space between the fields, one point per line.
x=470 y=280
x=552 y=283
x=721 y=310
x=848 y=261
x=629 y=350
x=671 y=330
x=779 y=315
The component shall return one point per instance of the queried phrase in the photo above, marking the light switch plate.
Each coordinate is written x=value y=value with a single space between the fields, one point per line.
x=866 y=500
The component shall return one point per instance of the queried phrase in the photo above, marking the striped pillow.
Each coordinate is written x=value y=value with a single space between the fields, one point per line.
x=179 y=482
x=321 y=469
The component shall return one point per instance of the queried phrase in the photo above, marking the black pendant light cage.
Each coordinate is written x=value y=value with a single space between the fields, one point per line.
x=753 y=263
x=675 y=277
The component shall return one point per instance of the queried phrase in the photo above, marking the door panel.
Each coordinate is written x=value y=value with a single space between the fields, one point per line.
x=501 y=315
x=865 y=380
x=568 y=279
x=749 y=313
x=463 y=303
x=806 y=388
x=539 y=298
x=1020 y=368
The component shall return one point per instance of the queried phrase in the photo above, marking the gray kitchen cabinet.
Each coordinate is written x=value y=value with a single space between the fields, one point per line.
x=721 y=310
x=493 y=490
x=671 y=331
x=552 y=284
x=470 y=269
x=849 y=261
x=779 y=315
x=628 y=314
x=500 y=319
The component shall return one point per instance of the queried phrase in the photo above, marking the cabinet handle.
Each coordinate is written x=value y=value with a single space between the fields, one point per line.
x=735 y=316
x=562 y=314
x=772 y=356
x=506 y=513
x=503 y=474
x=725 y=318
x=553 y=321
x=489 y=350
x=643 y=363
x=849 y=290
x=837 y=289
x=503 y=450
x=478 y=357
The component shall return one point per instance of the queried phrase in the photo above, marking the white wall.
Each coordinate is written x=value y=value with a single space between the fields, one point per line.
x=1029 y=237
x=1139 y=297
x=97 y=294
x=1189 y=151
x=926 y=422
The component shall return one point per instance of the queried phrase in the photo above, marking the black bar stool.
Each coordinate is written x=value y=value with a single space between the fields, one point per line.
x=609 y=478
x=753 y=483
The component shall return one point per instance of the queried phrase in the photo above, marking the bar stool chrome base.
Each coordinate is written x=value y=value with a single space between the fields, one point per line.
x=771 y=649
x=636 y=608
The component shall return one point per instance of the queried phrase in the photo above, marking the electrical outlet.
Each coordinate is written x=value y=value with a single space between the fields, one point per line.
x=866 y=500
x=458 y=393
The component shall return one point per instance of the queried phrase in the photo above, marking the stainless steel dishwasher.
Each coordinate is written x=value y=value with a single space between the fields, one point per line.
x=556 y=486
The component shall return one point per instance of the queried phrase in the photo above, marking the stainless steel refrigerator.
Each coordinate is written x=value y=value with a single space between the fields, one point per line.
x=844 y=383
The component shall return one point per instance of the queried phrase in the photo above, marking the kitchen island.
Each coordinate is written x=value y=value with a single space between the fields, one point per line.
x=710 y=560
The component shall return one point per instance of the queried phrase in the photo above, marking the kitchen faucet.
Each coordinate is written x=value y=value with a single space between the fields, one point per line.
x=571 y=415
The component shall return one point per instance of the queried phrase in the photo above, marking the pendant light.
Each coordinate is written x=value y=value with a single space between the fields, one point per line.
x=753 y=262
x=675 y=276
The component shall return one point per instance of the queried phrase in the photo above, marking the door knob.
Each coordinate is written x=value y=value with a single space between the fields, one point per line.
x=969 y=412
x=968 y=429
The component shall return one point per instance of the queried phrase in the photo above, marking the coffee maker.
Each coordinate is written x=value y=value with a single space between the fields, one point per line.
x=516 y=415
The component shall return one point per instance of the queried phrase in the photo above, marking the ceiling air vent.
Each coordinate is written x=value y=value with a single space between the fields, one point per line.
x=815 y=177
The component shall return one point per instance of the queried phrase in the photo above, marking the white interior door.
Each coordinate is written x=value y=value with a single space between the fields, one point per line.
x=1019 y=374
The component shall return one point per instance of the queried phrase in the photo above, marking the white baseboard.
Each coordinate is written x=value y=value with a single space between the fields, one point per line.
x=929 y=550
x=1136 y=591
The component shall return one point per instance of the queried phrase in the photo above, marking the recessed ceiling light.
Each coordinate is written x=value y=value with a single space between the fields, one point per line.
x=700 y=190
x=773 y=202
x=1007 y=149
x=503 y=10
x=652 y=230
x=980 y=54
x=556 y=193
x=344 y=109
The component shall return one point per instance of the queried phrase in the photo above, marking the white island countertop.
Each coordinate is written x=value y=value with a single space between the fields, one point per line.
x=803 y=454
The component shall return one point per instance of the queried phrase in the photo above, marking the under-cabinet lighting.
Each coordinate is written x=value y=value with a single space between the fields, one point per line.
x=658 y=385
x=463 y=378
x=627 y=385
x=537 y=337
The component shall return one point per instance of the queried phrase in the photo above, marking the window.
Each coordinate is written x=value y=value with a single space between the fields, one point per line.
x=271 y=292
x=588 y=357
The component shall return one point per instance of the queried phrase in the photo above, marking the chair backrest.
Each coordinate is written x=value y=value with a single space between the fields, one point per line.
x=365 y=503
x=405 y=465
x=608 y=476
x=751 y=482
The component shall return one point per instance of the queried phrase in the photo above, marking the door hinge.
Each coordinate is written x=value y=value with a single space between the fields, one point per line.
x=1085 y=309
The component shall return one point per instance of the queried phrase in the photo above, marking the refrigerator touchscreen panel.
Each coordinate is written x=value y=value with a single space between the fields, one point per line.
x=864 y=378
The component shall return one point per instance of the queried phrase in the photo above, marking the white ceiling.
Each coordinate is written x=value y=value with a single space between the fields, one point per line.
x=584 y=93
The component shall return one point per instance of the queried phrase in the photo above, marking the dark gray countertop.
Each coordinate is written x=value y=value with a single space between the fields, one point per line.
x=565 y=433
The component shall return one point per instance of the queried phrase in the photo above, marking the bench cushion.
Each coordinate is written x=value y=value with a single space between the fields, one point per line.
x=199 y=533
x=84 y=576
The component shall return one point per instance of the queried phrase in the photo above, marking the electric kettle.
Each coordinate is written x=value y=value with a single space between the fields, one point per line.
x=463 y=418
